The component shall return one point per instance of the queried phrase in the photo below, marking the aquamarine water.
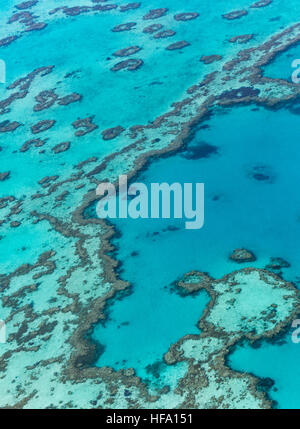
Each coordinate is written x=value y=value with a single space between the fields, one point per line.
x=247 y=156
x=240 y=212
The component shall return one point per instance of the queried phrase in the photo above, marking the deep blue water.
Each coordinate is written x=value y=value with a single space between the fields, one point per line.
x=251 y=178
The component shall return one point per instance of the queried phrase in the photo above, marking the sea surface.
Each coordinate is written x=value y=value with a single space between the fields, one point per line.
x=241 y=211
x=247 y=156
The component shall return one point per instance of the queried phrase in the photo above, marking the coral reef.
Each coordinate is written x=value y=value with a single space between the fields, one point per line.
x=42 y=126
x=61 y=147
x=8 y=40
x=7 y=126
x=155 y=13
x=236 y=14
x=112 y=133
x=187 y=16
x=87 y=125
x=208 y=59
x=242 y=38
x=177 y=45
x=26 y=4
x=124 y=27
x=4 y=175
x=32 y=142
x=261 y=3
x=164 y=34
x=126 y=52
x=245 y=318
x=76 y=276
x=152 y=28
x=130 y=64
x=242 y=256
x=129 y=6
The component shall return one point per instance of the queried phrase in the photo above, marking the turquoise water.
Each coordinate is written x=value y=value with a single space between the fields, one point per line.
x=247 y=144
x=281 y=67
x=240 y=212
x=140 y=327
x=146 y=94
x=279 y=362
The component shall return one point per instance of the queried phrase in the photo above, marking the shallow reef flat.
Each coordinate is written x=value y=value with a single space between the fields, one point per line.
x=247 y=304
x=59 y=140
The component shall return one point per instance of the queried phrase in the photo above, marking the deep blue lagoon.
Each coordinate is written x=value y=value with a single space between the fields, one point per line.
x=243 y=209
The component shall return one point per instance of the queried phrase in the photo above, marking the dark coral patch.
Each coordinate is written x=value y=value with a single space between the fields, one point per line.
x=243 y=92
x=277 y=264
x=105 y=7
x=61 y=147
x=124 y=27
x=261 y=177
x=37 y=26
x=7 y=126
x=178 y=45
x=23 y=84
x=28 y=19
x=32 y=142
x=45 y=181
x=70 y=98
x=261 y=3
x=45 y=100
x=4 y=176
x=86 y=124
x=236 y=14
x=242 y=255
x=130 y=64
x=126 y=52
x=210 y=58
x=275 y=19
x=76 y=10
x=22 y=17
x=202 y=150
x=42 y=126
x=262 y=173
x=152 y=28
x=53 y=11
x=26 y=4
x=129 y=6
x=8 y=40
x=164 y=34
x=242 y=38
x=156 y=13
x=294 y=107
x=112 y=133
x=265 y=384
x=187 y=16
x=9 y=100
